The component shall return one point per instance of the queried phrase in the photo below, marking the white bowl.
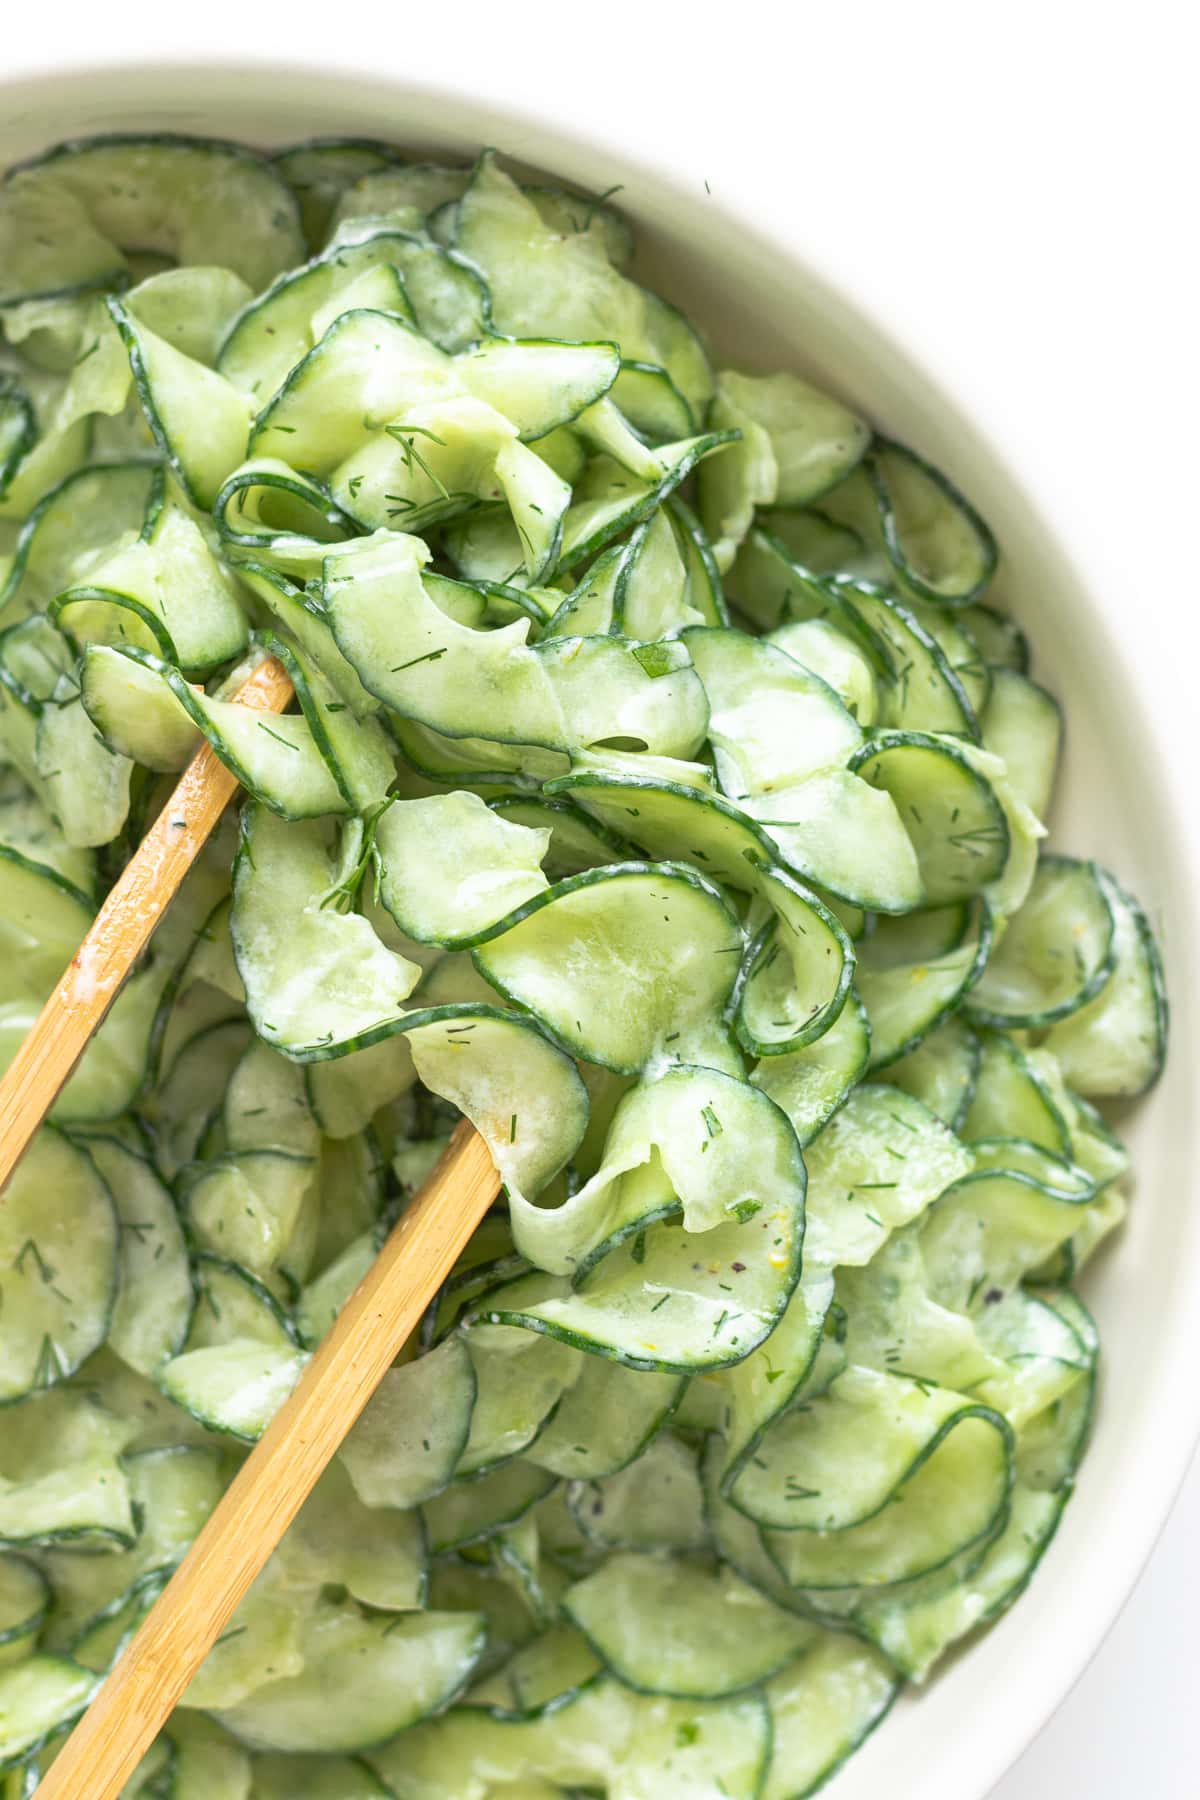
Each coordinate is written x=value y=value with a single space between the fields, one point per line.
x=1124 y=798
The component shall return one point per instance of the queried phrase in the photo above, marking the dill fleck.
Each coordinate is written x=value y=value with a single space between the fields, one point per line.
x=597 y=203
x=429 y=656
x=404 y=436
x=279 y=740
x=30 y=1248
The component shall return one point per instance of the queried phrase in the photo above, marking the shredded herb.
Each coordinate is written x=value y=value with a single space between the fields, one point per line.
x=429 y=656
x=30 y=1248
x=404 y=436
x=742 y=1210
x=274 y=734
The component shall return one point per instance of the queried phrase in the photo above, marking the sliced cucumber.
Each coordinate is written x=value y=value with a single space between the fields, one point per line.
x=86 y=784
x=772 y=723
x=384 y=1674
x=39 y=1507
x=878 y=1163
x=821 y=1710
x=796 y=443
x=957 y=825
x=37 y=1698
x=654 y=1504
x=474 y=867
x=665 y=1625
x=194 y=200
x=671 y=1147
x=1116 y=1043
x=191 y=308
x=155 y=1296
x=955 y=1497
x=470 y=1511
x=657 y=936
x=908 y=999
x=25 y=1598
x=811 y=1084
x=651 y=1304
x=561 y=694
x=519 y=1380
x=174 y=390
x=938 y=546
x=166 y=593
x=605 y=1421
x=1023 y=724
x=74 y=527
x=1058 y=952
x=321 y=169
x=27 y=827
x=407 y=1444
x=60 y=1266
x=609 y=500
x=943 y=1071
x=540 y=280
x=174 y=1491
x=235 y=1387
x=1012 y=1098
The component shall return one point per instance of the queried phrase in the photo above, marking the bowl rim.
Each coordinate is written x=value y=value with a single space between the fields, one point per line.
x=559 y=138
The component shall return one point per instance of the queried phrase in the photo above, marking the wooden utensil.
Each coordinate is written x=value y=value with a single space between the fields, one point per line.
x=122 y=929
x=280 y=1472
x=276 y=1478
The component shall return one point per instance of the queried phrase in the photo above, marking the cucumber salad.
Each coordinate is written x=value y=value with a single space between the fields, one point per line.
x=664 y=793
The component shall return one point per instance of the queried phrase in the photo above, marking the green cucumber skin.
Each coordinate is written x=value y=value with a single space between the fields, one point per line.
x=991 y=553
x=955 y=1004
x=12 y=393
x=1033 y=1020
x=642 y=508
x=30 y=526
x=1162 y=1006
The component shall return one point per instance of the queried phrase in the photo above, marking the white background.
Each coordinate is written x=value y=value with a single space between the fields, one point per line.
x=1014 y=186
